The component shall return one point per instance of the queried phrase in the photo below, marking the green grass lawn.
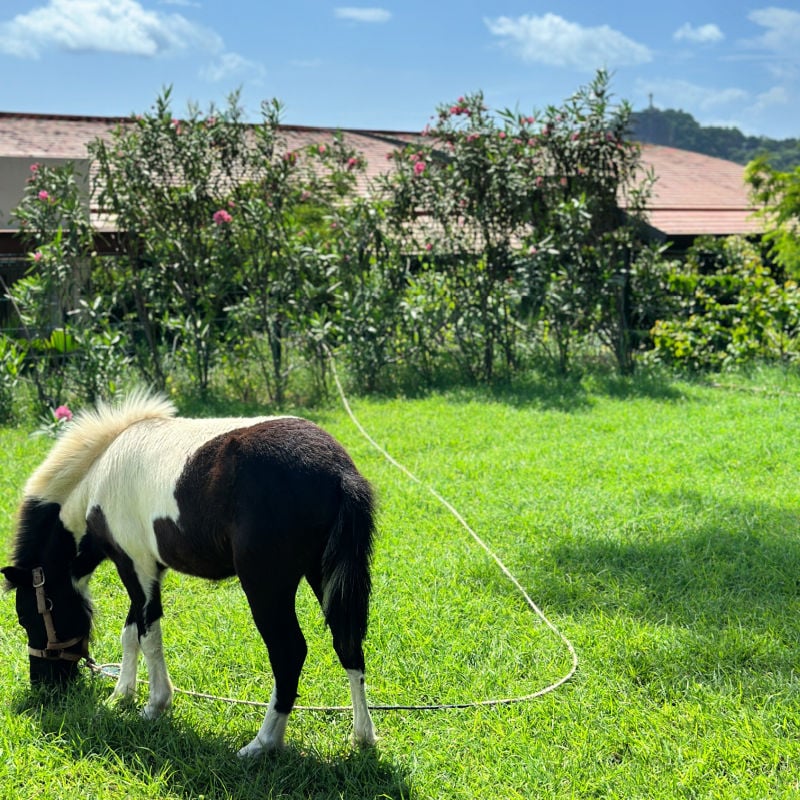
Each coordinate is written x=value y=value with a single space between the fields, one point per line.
x=656 y=523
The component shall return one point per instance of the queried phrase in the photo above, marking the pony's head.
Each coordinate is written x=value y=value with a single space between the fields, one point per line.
x=56 y=616
x=57 y=620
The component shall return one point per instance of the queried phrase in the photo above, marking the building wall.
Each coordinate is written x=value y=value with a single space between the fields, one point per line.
x=14 y=174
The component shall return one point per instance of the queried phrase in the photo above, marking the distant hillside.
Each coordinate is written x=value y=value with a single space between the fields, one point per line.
x=679 y=129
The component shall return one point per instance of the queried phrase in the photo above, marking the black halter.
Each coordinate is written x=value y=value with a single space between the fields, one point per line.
x=55 y=649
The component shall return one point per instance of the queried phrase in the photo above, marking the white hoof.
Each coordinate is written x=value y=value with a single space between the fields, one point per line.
x=366 y=737
x=121 y=696
x=152 y=712
x=257 y=748
x=270 y=736
x=157 y=706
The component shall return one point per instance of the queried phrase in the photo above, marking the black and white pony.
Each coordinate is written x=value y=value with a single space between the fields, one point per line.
x=270 y=500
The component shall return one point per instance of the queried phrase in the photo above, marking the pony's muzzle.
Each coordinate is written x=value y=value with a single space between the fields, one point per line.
x=52 y=672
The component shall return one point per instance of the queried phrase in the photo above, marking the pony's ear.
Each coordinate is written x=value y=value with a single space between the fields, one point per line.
x=17 y=576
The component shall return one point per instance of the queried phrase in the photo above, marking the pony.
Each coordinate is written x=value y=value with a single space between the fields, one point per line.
x=270 y=500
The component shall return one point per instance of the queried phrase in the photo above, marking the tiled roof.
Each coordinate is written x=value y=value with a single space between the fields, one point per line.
x=46 y=136
x=694 y=194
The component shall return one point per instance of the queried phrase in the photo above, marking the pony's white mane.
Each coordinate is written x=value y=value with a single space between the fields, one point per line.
x=86 y=438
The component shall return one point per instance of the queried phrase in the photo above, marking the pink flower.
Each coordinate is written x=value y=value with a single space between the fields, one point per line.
x=419 y=167
x=322 y=149
x=502 y=134
x=352 y=163
x=429 y=247
x=43 y=195
x=37 y=256
x=222 y=217
x=34 y=167
x=62 y=412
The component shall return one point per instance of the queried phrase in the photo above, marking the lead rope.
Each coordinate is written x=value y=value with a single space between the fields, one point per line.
x=106 y=669
x=503 y=568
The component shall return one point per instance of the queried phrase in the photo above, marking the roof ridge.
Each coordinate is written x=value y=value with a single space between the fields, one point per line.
x=100 y=118
x=33 y=115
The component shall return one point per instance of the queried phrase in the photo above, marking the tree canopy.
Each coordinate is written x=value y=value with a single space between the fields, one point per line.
x=678 y=129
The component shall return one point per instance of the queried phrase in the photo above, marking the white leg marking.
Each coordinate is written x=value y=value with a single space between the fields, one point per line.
x=363 y=729
x=126 y=683
x=160 y=698
x=270 y=736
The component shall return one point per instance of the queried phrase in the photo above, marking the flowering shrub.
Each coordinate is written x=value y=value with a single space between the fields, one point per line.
x=52 y=422
x=61 y=343
x=168 y=181
x=226 y=259
x=525 y=207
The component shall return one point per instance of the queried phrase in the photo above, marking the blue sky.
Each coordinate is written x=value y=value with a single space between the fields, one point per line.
x=388 y=65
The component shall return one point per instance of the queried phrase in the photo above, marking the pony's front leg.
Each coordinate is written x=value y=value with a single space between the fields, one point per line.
x=161 y=690
x=126 y=683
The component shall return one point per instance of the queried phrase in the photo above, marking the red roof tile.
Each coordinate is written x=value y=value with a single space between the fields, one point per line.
x=697 y=194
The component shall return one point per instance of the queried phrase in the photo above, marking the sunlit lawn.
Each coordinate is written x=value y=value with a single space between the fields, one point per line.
x=655 y=522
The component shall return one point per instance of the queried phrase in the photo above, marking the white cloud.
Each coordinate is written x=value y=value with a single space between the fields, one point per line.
x=776 y=96
x=782 y=34
x=703 y=34
x=112 y=26
x=355 y=14
x=231 y=65
x=552 y=40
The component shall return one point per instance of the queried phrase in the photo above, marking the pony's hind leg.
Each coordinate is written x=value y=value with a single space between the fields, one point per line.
x=274 y=614
x=363 y=728
x=351 y=657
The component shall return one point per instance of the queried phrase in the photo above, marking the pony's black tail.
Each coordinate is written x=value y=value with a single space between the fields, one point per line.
x=346 y=582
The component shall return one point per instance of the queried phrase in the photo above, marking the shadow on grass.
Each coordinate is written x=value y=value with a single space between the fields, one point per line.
x=720 y=596
x=172 y=756
x=540 y=389
x=553 y=393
